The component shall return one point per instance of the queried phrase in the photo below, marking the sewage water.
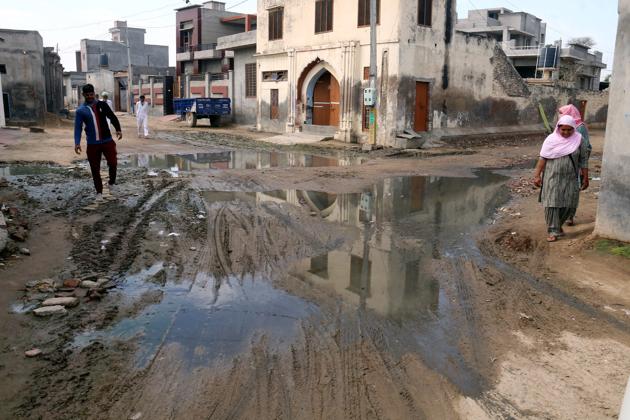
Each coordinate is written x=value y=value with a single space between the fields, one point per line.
x=385 y=269
x=18 y=169
x=235 y=159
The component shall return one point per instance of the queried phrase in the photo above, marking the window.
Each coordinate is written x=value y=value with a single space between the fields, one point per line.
x=493 y=15
x=365 y=121
x=3 y=68
x=424 y=12
x=274 y=111
x=250 y=80
x=184 y=40
x=275 y=23
x=323 y=16
x=357 y=284
x=319 y=266
x=275 y=76
x=366 y=73
x=364 y=12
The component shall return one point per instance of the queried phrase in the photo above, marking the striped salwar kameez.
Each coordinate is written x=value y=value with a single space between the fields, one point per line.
x=584 y=132
x=561 y=187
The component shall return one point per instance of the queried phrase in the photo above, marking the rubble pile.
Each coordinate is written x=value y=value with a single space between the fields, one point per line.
x=49 y=297
x=14 y=229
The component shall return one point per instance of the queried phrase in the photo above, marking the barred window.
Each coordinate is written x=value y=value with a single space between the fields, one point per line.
x=364 y=12
x=275 y=23
x=424 y=12
x=250 y=80
x=323 y=16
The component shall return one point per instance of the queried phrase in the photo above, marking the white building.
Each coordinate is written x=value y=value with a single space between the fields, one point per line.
x=313 y=59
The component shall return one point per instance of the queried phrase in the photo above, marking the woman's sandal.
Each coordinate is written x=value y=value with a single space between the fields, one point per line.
x=552 y=238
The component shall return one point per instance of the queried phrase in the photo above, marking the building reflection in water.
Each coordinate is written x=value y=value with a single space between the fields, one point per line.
x=238 y=159
x=402 y=226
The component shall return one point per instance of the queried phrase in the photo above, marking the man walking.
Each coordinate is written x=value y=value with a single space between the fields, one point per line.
x=93 y=115
x=105 y=98
x=142 y=117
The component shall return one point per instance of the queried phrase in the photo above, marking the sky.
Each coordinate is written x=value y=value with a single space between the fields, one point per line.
x=63 y=23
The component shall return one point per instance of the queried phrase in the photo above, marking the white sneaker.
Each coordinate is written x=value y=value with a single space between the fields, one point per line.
x=113 y=188
x=99 y=198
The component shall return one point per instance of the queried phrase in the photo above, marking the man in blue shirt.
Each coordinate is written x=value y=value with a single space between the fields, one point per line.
x=93 y=115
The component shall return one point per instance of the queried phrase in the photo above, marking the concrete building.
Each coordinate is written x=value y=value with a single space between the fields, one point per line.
x=145 y=58
x=613 y=216
x=518 y=29
x=313 y=63
x=523 y=39
x=198 y=29
x=241 y=48
x=53 y=77
x=31 y=77
x=312 y=79
x=72 y=83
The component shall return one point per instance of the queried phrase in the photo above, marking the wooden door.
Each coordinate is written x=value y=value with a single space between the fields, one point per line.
x=321 y=100
x=326 y=101
x=275 y=111
x=334 y=102
x=421 y=115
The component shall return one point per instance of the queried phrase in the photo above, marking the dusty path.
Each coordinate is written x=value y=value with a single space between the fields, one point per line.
x=253 y=285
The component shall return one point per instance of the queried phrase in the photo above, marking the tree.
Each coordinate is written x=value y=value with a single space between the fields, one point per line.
x=586 y=41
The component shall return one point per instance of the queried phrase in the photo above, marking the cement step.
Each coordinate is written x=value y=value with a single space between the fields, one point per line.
x=290 y=139
x=323 y=130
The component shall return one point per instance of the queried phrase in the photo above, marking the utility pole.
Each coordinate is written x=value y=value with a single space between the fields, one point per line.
x=370 y=94
x=129 y=75
x=2 y=120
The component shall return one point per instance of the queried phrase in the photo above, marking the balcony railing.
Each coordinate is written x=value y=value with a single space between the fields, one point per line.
x=198 y=47
x=203 y=47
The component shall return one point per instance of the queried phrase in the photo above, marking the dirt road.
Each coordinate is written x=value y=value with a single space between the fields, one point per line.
x=233 y=279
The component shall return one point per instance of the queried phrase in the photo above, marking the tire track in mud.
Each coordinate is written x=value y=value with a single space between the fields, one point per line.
x=546 y=289
x=132 y=236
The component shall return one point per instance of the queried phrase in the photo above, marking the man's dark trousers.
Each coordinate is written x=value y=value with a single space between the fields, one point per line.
x=94 y=153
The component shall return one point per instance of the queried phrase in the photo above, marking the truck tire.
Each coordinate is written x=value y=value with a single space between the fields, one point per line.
x=191 y=119
x=215 y=120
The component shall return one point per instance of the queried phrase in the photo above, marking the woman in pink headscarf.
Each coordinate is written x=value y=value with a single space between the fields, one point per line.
x=572 y=111
x=561 y=172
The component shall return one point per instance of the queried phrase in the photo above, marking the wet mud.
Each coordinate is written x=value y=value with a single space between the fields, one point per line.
x=232 y=300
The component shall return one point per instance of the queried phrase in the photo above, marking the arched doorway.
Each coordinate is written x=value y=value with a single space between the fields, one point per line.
x=323 y=99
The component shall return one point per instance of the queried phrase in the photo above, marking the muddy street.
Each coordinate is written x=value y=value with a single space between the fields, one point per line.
x=227 y=278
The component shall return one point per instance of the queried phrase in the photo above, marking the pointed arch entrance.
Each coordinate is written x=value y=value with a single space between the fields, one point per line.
x=319 y=92
x=324 y=95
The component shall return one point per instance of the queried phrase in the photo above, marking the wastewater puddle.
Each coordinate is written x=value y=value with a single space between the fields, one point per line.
x=391 y=238
x=208 y=318
x=238 y=159
x=19 y=169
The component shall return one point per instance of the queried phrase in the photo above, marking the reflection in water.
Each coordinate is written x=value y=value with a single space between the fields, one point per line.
x=402 y=224
x=208 y=319
x=385 y=270
x=237 y=159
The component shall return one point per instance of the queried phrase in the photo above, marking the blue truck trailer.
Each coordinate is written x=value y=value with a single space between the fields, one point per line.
x=192 y=109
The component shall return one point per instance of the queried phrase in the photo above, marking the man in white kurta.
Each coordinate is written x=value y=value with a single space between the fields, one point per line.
x=105 y=98
x=142 y=117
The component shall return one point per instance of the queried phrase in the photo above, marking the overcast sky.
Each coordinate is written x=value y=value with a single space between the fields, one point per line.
x=64 y=23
